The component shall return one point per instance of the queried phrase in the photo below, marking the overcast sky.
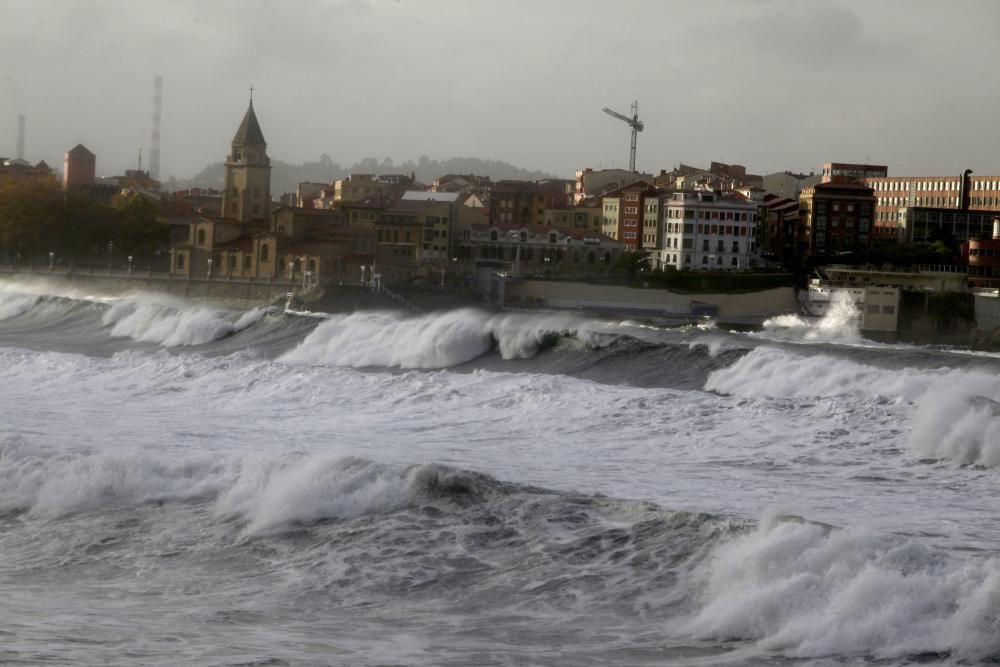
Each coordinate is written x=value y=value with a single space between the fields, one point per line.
x=771 y=84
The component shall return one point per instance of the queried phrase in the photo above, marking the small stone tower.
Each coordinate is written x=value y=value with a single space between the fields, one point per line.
x=247 y=195
x=79 y=167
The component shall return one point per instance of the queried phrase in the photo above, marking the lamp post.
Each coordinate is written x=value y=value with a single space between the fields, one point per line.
x=130 y=264
x=52 y=260
x=111 y=246
x=209 y=268
x=363 y=268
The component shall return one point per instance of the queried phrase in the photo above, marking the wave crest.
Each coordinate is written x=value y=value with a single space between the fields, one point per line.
x=172 y=323
x=437 y=340
x=807 y=591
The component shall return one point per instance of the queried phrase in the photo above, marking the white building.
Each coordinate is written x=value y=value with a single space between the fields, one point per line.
x=704 y=231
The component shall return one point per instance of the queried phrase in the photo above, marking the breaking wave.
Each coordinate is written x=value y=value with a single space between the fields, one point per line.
x=840 y=323
x=437 y=340
x=171 y=322
x=786 y=586
x=805 y=590
x=956 y=412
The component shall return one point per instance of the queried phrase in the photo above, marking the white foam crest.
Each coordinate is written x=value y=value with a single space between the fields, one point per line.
x=437 y=340
x=272 y=497
x=841 y=323
x=171 y=323
x=956 y=413
x=806 y=591
x=13 y=303
x=395 y=340
x=50 y=484
x=769 y=371
x=960 y=420
x=519 y=335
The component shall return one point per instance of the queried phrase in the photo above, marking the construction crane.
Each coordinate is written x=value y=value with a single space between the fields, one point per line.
x=634 y=123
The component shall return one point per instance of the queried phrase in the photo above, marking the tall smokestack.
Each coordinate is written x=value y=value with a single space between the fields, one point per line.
x=965 y=188
x=154 y=149
x=20 y=136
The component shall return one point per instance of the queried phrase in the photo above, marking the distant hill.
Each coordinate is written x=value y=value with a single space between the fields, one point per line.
x=286 y=177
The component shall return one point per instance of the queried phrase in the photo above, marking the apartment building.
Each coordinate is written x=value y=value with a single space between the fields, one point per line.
x=624 y=213
x=835 y=217
x=706 y=231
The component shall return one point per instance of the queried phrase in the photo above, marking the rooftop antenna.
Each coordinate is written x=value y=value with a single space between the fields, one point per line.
x=140 y=159
x=633 y=122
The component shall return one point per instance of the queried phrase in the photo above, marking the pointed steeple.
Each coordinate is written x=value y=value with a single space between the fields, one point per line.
x=249 y=133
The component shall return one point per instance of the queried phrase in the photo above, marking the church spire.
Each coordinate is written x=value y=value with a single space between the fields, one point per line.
x=249 y=133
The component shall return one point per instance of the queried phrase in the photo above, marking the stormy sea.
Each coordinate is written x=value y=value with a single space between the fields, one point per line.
x=185 y=484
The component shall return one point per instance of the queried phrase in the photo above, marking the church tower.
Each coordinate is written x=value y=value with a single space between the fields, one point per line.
x=247 y=195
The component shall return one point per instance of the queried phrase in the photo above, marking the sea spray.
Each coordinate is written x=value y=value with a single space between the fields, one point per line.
x=840 y=323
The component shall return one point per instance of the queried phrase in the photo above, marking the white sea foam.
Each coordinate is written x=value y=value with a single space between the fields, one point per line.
x=437 y=340
x=171 y=322
x=14 y=303
x=806 y=591
x=48 y=483
x=841 y=323
x=272 y=497
x=956 y=413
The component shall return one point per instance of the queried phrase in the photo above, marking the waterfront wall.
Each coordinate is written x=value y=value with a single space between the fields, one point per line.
x=229 y=292
x=751 y=306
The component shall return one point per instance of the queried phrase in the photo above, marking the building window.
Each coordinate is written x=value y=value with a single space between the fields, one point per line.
x=180 y=262
x=201 y=237
x=246 y=262
x=263 y=252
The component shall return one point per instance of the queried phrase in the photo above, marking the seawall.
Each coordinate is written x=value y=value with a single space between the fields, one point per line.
x=239 y=293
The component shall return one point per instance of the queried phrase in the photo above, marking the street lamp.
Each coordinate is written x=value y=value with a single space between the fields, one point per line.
x=363 y=268
x=52 y=260
x=130 y=263
x=111 y=246
x=209 y=267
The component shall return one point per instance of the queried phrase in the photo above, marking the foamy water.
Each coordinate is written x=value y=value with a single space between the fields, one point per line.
x=219 y=487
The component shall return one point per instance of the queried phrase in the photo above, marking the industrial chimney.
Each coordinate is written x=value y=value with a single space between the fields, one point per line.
x=965 y=190
x=154 y=149
x=20 y=137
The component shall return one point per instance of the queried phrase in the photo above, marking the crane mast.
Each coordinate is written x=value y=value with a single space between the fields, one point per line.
x=633 y=122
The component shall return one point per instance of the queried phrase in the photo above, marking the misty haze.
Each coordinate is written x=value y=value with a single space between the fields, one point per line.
x=434 y=332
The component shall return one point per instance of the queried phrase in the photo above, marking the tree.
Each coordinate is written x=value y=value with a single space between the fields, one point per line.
x=31 y=213
x=136 y=229
x=632 y=262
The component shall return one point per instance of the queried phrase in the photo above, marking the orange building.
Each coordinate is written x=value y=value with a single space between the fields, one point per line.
x=79 y=167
